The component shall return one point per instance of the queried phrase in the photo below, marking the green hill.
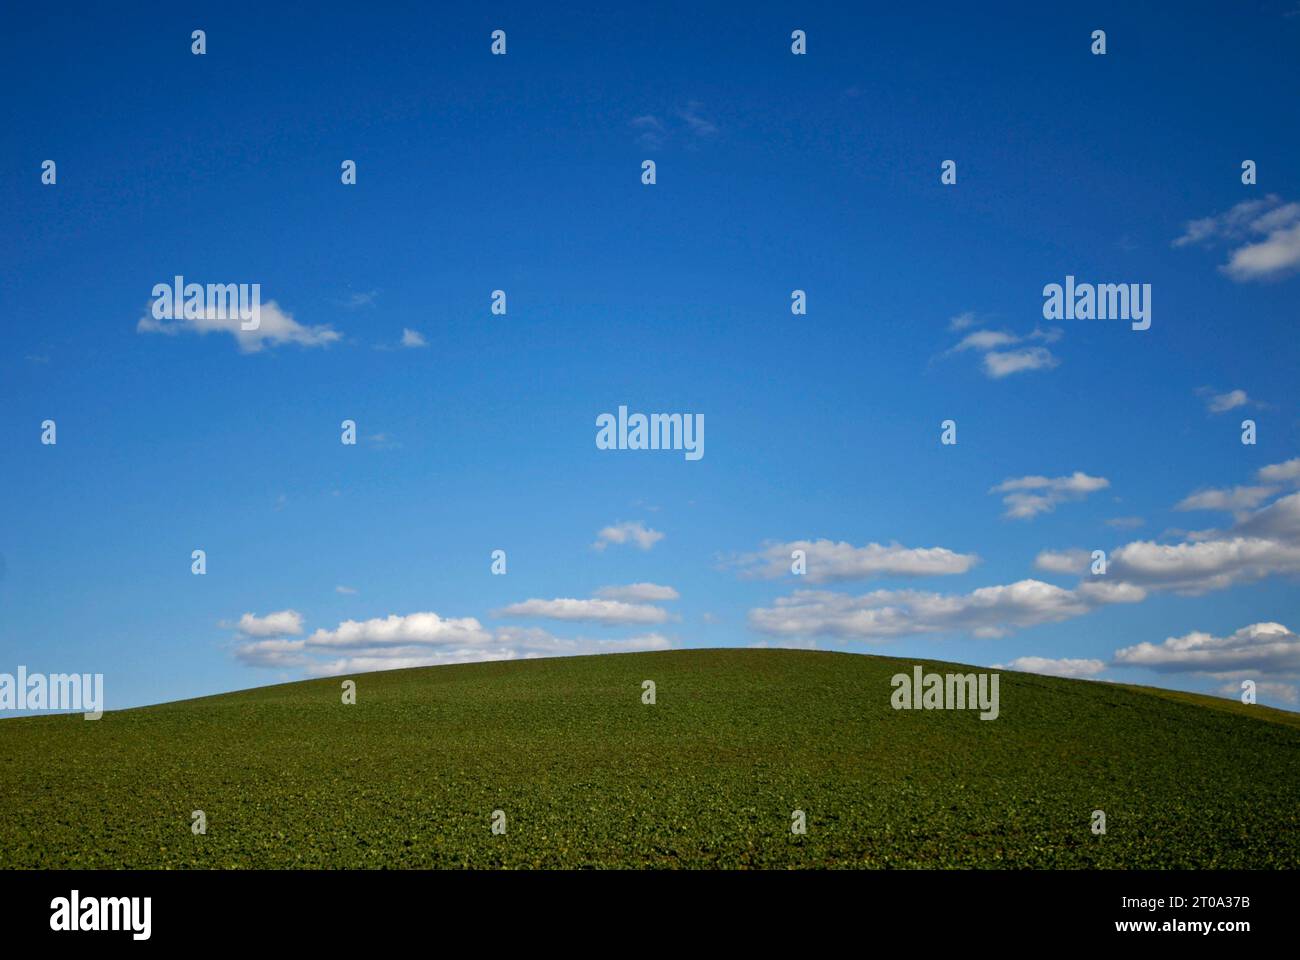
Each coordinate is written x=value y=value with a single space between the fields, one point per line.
x=708 y=776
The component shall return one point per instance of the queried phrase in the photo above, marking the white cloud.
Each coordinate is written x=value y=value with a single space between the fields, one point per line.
x=1230 y=500
x=962 y=321
x=985 y=340
x=606 y=612
x=1276 y=254
x=1258 y=545
x=638 y=592
x=829 y=561
x=413 y=339
x=1027 y=497
x=1195 y=568
x=999 y=364
x=1074 y=560
x=1124 y=523
x=423 y=639
x=279 y=624
x=986 y=612
x=277 y=653
x=627 y=532
x=418 y=629
x=509 y=644
x=1054 y=668
x=275 y=327
x=1265 y=647
x=1281 y=472
x=1223 y=402
x=1269 y=258
x=346 y=591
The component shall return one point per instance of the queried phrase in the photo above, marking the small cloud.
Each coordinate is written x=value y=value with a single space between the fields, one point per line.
x=280 y=624
x=1264 y=647
x=1264 y=235
x=1004 y=352
x=1223 y=402
x=693 y=117
x=1125 y=523
x=274 y=328
x=606 y=612
x=361 y=299
x=1231 y=500
x=346 y=591
x=1054 y=668
x=1027 y=497
x=650 y=131
x=829 y=561
x=413 y=339
x=1063 y=561
x=985 y=340
x=1281 y=472
x=638 y=592
x=627 y=532
x=999 y=364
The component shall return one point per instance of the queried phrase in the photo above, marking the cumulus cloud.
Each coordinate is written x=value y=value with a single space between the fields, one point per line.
x=419 y=629
x=1054 y=668
x=276 y=327
x=1230 y=500
x=507 y=644
x=413 y=339
x=272 y=653
x=829 y=561
x=1259 y=544
x=638 y=592
x=627 y=532
x=986 y=612
x=1288 y=472
x=1264 y=236
x=606 y=612
x=1264 y=647
x=1074 y=560
x=279 y=624
x=1027 y=497
x=423 y=639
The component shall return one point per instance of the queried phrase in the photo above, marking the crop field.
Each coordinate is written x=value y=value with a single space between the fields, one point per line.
x=585 y=774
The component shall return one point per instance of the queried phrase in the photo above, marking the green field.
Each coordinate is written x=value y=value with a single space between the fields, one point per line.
x=589 y=776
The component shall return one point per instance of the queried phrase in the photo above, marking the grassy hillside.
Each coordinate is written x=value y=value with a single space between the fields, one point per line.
x=588 y=775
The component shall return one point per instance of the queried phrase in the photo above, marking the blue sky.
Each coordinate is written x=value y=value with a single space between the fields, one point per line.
x=775 y=172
